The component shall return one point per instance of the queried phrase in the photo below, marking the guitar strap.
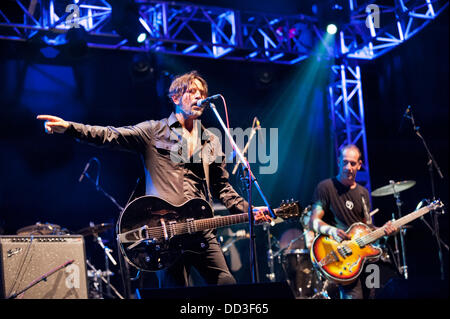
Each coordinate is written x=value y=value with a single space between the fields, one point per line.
x=367 y=216
x=205 y=164
x=206 y=171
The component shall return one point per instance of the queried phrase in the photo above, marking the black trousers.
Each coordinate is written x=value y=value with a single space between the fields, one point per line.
x=211 y=265
x=363 y=287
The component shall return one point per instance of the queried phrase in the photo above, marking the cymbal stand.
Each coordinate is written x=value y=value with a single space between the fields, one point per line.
x=108 y=257
x=101 y=274
x=403 y=269
x=270 y=256
x=434 y=214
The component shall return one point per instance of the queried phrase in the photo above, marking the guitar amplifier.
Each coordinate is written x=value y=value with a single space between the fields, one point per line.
x=46 y=267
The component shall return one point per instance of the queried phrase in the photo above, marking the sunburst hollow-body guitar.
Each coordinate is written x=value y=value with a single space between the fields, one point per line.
x=343 y=262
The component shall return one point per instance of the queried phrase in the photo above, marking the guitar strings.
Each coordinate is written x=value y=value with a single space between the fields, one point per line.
x=201 y=224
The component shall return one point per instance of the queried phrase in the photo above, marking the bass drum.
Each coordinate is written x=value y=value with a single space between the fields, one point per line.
x=304 y=280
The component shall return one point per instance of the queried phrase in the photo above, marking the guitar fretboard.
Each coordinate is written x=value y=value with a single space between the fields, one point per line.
x=220 y=221
x=373 y=236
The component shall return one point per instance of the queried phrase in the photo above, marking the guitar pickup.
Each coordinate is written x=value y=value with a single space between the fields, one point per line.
x=344 y=251
x=191 y=228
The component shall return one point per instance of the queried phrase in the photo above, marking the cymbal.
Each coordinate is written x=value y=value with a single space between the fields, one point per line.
x=40 y=229
x=95 y=229
x=394 y=187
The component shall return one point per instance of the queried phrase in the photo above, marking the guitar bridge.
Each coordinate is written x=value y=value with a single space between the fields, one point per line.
x=328 y=259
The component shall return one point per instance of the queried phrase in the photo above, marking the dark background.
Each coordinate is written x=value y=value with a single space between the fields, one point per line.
x=39 y=173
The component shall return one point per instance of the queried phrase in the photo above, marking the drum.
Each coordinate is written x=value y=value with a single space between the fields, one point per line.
x=42 y=229
x=300 y=273
x=305 y=281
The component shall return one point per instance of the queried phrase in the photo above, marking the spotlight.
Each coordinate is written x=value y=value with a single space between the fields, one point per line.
x=141 y=37
x=77 y=41
x=332 y=15
x=127 y=21
x=142 y=66
x=331 y=28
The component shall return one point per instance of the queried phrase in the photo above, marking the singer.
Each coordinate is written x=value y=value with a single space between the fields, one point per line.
x=172 y=179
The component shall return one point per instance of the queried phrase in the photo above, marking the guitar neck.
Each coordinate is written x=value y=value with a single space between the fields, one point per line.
x=376 y=234
x=220 y=221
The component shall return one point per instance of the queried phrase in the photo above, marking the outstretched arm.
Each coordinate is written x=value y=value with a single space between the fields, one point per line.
x=133 y=138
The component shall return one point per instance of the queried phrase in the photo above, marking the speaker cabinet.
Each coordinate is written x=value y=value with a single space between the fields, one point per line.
x=26 y=260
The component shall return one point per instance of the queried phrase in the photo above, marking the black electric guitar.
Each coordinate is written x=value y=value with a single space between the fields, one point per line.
x=153 y=233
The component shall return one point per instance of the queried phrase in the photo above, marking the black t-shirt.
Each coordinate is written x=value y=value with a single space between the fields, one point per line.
x=342 y=206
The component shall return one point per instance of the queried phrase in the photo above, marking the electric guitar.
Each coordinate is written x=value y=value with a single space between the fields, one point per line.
x=343 y=262
x=153 y=234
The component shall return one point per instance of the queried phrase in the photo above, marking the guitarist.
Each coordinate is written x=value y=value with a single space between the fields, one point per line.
x=182 y=160
x=340 y=202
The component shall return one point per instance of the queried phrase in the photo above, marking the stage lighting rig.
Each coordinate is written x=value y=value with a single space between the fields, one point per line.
x=332 y=15
x=127 y=21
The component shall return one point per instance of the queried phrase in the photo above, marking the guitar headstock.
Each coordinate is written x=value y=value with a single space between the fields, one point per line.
x=288 y=209
x=435 y=205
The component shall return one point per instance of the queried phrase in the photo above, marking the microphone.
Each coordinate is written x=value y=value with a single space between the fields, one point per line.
x=407 y=111
x=84 y=171
x=204 y=102
x=406 y=114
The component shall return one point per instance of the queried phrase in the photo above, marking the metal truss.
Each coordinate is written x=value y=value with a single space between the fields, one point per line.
x=376 y=27
x=173 y=28
x=347 y=114
x=373 y=28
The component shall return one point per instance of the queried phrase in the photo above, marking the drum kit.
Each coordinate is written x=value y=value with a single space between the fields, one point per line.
x=95 y=276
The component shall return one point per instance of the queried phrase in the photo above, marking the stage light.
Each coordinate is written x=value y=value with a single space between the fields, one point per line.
x=127 y=21
x=142 y=37
x=77 y=41
x=142 y=66
x=332 y=15
x=331 y=28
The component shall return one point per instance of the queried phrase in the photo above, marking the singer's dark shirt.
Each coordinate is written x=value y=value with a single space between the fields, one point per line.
x=169 y=173
x=342 y=205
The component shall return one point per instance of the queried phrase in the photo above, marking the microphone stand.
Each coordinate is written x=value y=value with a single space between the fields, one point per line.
x=124 y=272
x=431 y=163
x=251 y=180
x=98 y=187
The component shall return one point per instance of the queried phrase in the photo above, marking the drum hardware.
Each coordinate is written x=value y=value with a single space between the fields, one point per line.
x=96 y=291
x=426 y=202
x=373 y=212
x=432 y=164
x=123 y=266
x=394 y=188
x=42 y=229
x=94 y=230
x=270 y=255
